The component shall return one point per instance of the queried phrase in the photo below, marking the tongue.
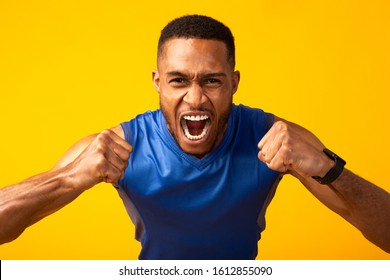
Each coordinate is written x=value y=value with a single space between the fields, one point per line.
x=195 y=127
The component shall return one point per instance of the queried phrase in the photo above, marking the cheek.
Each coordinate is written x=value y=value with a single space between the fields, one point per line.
x=171 y=97
x=222 y=102
x=169 y=105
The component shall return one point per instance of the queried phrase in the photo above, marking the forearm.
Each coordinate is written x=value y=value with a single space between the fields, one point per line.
x=368 y=205
x=23 y=204
x=290 y=148
x=95 y=159
x=358 y=201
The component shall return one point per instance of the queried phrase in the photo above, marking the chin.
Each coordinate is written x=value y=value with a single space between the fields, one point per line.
x=199 y=153
x=195 y=149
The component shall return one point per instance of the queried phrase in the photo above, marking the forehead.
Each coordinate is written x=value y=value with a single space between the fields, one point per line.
x=193 y=53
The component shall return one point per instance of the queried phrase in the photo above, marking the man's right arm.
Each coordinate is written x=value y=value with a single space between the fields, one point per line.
x=97 y=158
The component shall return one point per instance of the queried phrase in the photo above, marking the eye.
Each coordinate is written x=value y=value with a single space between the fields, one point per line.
x=177 y=81
x=212 y=82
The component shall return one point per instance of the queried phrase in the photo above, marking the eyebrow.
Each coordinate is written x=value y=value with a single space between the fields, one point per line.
x=205 y=75
x=176 y=73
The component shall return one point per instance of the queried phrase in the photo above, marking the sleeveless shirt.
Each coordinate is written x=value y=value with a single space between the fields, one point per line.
x=189 y=208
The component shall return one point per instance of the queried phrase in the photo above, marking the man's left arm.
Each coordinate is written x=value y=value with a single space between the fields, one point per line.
x=290 y=148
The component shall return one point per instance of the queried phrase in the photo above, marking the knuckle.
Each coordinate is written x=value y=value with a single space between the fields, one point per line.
x=105 y=132
x=121 y=166
x=101 y=147
x=281 y=125
x=260 y=155
x=103 y=136
x=273 y=166
x=111 y=175
x=287 y=148
x=284 y=135
x=284 y=132
x=100 y=136
x=277 y=167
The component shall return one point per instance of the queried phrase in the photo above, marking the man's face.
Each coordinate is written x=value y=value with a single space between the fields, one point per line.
x=196 y=84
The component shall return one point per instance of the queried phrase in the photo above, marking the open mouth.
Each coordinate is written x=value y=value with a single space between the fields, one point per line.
x=195 y=127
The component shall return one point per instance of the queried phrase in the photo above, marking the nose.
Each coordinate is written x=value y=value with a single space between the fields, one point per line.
x=195 y=96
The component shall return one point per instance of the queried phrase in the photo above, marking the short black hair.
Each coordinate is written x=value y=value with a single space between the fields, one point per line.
x=198 y=27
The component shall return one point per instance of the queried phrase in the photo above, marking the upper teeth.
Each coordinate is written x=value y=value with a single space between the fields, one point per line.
x=196 y=118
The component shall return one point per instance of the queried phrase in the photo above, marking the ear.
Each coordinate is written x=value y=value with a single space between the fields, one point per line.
x=236 y=80
x=156 y=80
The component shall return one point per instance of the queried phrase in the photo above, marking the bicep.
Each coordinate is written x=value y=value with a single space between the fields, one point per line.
x=73 y=152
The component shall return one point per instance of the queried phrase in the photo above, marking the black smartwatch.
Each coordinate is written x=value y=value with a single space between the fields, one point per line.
x=334 y=172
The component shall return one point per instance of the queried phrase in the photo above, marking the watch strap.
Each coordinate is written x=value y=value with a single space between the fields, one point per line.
x=334 y=172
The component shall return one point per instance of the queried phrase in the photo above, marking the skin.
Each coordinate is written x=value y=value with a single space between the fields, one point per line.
x=195 y=77
x=292 y=149
x=94 y=159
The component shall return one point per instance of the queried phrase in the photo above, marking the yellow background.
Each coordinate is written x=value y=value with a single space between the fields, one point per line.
x=72 y=68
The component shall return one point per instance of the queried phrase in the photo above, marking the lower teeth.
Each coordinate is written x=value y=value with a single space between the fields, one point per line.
x=194 y=137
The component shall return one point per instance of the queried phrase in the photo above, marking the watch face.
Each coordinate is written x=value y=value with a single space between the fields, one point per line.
x=330 y=154
x=333 y=156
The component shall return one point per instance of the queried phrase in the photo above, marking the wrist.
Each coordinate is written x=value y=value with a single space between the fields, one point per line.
x=326 y=165
x=335 y=170
x=74 y=179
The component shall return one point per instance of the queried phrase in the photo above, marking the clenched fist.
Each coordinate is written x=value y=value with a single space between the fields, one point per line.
x=290 y=148
x=103 y=160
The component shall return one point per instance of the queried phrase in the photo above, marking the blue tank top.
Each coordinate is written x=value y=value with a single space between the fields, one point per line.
x=189 y=208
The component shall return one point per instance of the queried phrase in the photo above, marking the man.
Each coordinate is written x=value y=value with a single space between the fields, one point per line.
x=197 y=176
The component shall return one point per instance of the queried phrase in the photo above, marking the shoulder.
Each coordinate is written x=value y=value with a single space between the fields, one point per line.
x=146 y=117
x=255 y=116
x=147 y=121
